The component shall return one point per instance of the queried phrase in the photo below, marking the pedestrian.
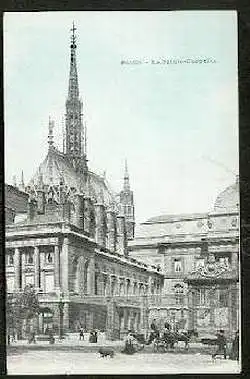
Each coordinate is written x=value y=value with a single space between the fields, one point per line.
x=51 y=337
x=221 y=345
x=129 y=344
x=154 y=333
x=81 y=334
x=167 y=326
x=235 y=347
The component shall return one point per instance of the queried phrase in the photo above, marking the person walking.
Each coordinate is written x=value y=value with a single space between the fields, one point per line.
x=81 y=334
x=222 y=345
x=32 y=337
x=235 y=347
x=154 y=332
x=129 y=344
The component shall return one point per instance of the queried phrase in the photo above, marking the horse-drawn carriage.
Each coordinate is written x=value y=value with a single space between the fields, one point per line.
x=169 y=340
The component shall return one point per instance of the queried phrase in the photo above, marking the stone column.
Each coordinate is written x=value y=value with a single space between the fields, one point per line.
x=37 y=267
x=112 y=320
x=127 y=284
x=91 y=276
x=212 y=296
x=121 y=235
x=100 y=284
x=79 y=210
x=66 y=317
x=42 y=270
x=115 y=281
x=17 y=268
x=23 y=269
x=101 y=228
x=122 y=323
x=190 y=310
x=111 y=223
x=137 y=321
x=86 y=219
x=129 y=325
x=57 y=267
x=126 y=317
x=65 y=265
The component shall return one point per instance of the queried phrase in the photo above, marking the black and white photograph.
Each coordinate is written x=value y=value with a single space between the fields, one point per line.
x=122 y=206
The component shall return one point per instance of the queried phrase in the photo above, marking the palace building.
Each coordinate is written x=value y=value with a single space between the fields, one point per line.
x=67 y=234
x=198 y=255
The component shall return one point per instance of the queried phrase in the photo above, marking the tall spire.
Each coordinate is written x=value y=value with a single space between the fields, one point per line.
x=127 y=204
x=126 y=185
x=73 y=92
x=75 y=144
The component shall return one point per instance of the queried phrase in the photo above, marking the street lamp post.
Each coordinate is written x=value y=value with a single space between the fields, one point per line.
x=61 y=306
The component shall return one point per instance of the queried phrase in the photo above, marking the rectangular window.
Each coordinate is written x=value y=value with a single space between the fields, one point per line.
x=201 y=296
x=223 y=297
x=49 y=283
x=177 y=265
x=10 y=284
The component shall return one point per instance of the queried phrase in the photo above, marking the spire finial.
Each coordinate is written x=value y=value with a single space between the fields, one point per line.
x=73 y=36
x=21 y=185
x=73 y=92
x=51 y=134
x=40 y=179
x=126 y=185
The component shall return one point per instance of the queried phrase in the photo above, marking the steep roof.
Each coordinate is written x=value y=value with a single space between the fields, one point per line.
x=57 y=167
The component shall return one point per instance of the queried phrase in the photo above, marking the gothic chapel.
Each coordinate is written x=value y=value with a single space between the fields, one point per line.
x=67 y=233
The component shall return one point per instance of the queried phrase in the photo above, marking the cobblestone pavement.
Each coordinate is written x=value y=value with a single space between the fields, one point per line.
x=60 y=362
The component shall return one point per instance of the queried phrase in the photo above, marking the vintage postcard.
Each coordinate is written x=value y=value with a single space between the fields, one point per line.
x=122 y=192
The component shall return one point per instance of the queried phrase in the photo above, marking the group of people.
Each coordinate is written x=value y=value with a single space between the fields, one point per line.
x=221 y=341
x=93 y=335
x=132 y=345
x=155 y=333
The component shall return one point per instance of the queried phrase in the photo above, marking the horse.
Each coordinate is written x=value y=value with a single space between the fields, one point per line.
x=169 y=339
x=159 y=343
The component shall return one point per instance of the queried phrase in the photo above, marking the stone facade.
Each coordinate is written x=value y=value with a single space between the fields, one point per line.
x=179 y=245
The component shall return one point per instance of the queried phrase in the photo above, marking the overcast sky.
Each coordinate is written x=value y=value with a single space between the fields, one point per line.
x=177 y=124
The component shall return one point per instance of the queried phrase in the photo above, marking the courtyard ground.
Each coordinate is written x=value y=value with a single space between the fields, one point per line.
x=72 y=356
x=84 y=360
x=77 y=362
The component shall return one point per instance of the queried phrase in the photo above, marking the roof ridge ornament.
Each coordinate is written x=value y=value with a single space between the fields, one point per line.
x=21 y=184
x=126 y=184
x=51 y=133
